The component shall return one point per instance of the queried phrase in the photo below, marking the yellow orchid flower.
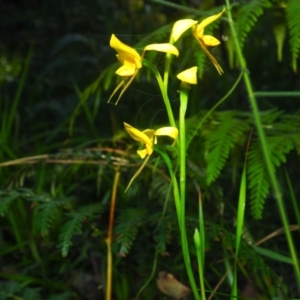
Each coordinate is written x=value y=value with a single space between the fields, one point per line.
x=132 y=61
x=189 y=75
x=148 y=138
x=180 y=27
x=208 y=40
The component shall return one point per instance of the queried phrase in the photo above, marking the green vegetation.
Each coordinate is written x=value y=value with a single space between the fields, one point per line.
x=219 y=210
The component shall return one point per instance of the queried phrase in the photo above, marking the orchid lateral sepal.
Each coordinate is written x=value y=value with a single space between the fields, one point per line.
x=208 y=40
x=137 y=173
x=180 y=27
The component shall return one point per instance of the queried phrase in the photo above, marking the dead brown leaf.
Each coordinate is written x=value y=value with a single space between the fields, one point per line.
x=170 y=286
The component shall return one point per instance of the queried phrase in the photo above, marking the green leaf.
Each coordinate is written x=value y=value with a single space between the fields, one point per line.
x=273 y=255
x=226 y=131
x=69 y=229
x=293 y=21
x=127 y=228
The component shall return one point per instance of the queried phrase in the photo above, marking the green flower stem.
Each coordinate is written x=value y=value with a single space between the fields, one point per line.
x=167 y=69
x=184 y=89
x=277 y=94
x=182 y=150
x=164 y=90
x=181 y=222
x=167 y=160
x=199 y=239
x=263 y=140
x=202 y=248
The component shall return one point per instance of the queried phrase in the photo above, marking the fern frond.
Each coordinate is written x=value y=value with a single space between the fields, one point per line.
x=293 y=21
x=259 y=185
x=159 y=188
x=127 y=228
x=69 y=229
x=258 y=180
x=46 y=213
x=280 y=33
x=162 y=235
x=248 y=16
x=225 y=135
x=74 y=224
x=290 y=126
x=91 y=210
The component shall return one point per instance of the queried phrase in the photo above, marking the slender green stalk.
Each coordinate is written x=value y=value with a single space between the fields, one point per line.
x=167 y=161
x=199 y=243
x=167 y=70
x=164 y=90
x=179 y=198
x=263 y=141
x=182 y=151
x=149 y=279
x=277 y=94
x=240 y=213
x=181 y=221
x=110 y=235
x=239 y=230
x=199 y=239
x=182 y=157
x=202 y=247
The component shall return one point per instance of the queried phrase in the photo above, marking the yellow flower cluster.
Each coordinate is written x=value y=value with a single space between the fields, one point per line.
x=132 y=62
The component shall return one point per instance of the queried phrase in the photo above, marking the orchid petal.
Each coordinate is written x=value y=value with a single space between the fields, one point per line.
x=123 y=49
x=137 y=134
x=209 y=40
x=148 y=138
x=166 y=47
x=209 y=20
x=189 y=75
x=126 y=70
x=180 y=27
x=172 y=132
x=140 y=137
x=150 y=133
x=142 y=153
x=131 y=63
x=138 y=62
